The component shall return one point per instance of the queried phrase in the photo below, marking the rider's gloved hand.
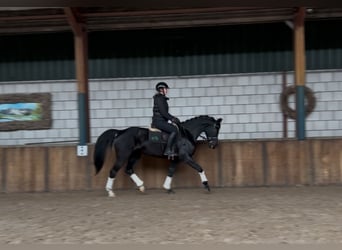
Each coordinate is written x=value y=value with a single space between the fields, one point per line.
x=176 y=120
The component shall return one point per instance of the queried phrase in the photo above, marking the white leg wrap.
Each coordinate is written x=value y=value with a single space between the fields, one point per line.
x=203 y=177
x=109 y=185
x=137 y=180
x=167 y=182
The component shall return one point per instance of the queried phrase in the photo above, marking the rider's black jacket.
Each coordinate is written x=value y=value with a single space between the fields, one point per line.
x=161 y=108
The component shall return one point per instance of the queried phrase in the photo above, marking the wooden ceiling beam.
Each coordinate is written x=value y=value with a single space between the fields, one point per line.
x=116 y=13
x=25 y=18
x=90 y=19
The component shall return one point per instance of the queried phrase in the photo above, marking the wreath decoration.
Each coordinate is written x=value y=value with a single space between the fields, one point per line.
x=290 y=90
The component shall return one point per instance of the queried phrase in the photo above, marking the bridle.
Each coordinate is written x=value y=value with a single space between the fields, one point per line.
x=209 y=138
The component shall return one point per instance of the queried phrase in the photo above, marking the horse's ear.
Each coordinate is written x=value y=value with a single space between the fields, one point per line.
x=219 y=120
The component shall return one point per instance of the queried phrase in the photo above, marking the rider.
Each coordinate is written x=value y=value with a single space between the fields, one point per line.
x=161 y=117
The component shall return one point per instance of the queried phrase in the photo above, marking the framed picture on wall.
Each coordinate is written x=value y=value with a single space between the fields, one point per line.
x=25 y=111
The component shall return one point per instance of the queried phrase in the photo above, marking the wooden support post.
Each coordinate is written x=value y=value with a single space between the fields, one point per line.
x=81 y=58
x=299 y=56
x=285 y=117
x=81 y=54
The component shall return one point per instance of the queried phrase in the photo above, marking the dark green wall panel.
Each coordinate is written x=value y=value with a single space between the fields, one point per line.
x=188 y=51
x=37 y=57
x=324 y=45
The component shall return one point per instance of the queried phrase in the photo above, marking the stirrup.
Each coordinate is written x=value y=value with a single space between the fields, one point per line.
x=170 y=155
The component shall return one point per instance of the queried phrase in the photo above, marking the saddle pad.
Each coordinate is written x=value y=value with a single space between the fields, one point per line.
x=157 y=136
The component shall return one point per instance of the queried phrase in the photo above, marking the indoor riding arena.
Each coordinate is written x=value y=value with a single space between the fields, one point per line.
x=280 y=192
x=269 y=79
x=272 y=215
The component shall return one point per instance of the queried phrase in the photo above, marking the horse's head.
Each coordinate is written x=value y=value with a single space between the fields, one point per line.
x=203 y=124
x=211 y=132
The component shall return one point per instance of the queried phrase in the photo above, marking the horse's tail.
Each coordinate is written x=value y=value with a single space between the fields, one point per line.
x=105 y=140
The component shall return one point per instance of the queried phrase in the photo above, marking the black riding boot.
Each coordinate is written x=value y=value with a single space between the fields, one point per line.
x=170 y=149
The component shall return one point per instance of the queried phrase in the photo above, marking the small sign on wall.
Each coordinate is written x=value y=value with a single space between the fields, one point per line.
x=82 y=150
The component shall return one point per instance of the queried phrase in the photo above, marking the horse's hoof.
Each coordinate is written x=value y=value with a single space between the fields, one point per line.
x=142 y=189
x=111 y=194
x=170 y=191
x=206 y=185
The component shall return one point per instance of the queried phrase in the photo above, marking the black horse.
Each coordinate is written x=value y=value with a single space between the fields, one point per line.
x=131 y=143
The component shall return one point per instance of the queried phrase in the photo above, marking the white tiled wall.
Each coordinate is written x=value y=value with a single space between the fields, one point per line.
x=248 y=104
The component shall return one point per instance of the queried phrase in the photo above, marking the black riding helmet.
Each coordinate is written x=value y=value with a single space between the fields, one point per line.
x=161 y=85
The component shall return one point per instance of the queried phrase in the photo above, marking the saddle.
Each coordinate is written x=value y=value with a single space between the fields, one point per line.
x=157 y=136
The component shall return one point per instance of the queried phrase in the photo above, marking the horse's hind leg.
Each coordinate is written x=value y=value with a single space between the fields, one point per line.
x=135 y=156
x=168 y=179
x=111 y=178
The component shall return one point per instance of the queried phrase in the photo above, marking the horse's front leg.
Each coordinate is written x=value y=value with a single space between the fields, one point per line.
x=188 y=160
x=168 y=179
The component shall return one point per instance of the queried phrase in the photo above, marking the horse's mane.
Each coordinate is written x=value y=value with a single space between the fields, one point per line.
x=199 y=117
